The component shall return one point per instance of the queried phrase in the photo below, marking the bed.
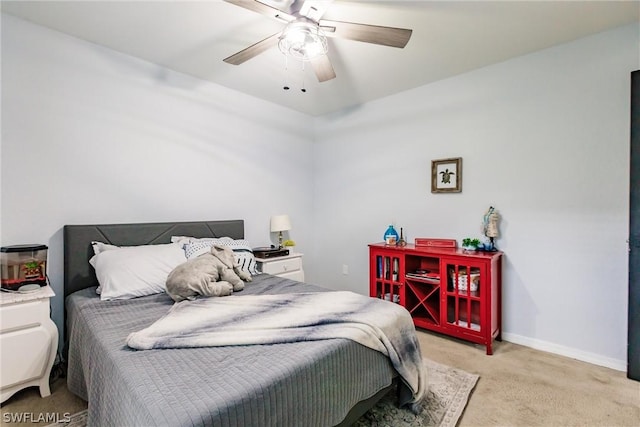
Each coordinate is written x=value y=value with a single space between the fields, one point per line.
x=312 y=383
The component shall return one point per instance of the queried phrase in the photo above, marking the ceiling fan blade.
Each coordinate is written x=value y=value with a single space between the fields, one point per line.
x=253 y=50
x=314 y=9
x=323 y=68
x=264 y=9
x=387 y=36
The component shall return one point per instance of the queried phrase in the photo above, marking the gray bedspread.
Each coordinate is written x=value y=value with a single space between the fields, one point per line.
x=294 y=384
x=290 y=318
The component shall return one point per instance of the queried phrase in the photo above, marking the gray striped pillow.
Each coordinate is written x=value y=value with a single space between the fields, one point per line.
x=241 y=251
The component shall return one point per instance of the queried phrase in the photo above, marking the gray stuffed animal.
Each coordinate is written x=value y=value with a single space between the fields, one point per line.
x=214 y=274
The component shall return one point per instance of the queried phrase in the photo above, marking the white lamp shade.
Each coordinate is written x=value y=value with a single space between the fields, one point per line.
x=280 y=223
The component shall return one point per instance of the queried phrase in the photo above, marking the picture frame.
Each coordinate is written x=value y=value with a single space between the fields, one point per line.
x=446 y=175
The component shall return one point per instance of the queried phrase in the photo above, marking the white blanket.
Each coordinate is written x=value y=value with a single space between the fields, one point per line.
x=270 y=319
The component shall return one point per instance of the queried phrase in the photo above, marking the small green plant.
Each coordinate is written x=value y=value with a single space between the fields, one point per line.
x=31 y=264
x=288 y=243
x=470 y=243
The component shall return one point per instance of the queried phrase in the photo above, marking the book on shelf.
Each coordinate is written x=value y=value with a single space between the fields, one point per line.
x=424 y=275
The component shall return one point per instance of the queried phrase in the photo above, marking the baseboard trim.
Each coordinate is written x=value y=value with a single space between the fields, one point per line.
x=585 y=356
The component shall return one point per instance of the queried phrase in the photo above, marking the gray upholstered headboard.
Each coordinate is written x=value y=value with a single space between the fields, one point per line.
x=78 y=274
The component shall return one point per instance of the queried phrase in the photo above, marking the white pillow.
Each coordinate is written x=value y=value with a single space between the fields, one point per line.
x=101 y=247
x=97 y=248
x=134 y=271
x=242 y=252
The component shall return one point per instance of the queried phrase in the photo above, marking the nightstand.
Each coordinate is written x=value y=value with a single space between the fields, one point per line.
x=289 y=266
x=28 y=341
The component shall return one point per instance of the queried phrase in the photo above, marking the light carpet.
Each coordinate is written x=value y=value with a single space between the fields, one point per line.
x=449 y=390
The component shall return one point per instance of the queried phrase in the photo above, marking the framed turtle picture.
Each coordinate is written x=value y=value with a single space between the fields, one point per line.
x=446 y=175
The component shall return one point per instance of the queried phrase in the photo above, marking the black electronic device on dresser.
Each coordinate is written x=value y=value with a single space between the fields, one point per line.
x=270 y=252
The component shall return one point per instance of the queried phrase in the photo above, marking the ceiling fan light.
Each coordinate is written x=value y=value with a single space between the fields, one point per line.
x=303 y=40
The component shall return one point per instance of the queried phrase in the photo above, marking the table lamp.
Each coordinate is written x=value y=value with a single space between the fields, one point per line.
x=280 y=223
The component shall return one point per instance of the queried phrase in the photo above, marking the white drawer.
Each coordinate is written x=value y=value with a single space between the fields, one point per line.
x=25 y=354
x=282 y=266
x=22 y=315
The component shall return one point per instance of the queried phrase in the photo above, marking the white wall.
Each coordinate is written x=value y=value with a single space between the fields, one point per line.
x=545 y=139
x=93 y=136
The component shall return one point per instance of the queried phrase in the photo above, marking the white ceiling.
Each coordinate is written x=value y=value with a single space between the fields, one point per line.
x=449 y=38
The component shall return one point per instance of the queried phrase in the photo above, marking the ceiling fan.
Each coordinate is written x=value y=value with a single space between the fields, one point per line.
x=305 y=33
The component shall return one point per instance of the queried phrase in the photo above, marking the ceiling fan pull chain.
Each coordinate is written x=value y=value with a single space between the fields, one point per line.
x=303 y=89
x=285 y=86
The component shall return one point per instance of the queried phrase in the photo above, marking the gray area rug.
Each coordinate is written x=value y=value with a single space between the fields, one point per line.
x=449 y=390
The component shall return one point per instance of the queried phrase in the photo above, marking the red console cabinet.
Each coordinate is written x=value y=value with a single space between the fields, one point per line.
x=446 y=290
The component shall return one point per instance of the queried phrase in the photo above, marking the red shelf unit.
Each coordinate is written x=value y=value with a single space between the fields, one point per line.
x=446 y=290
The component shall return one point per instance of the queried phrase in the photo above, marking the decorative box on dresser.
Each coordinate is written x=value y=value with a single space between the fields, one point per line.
x=28 y=341
x=289 y=266
x=447 y=290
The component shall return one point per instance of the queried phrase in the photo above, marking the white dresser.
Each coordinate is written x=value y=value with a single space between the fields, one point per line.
x=28 y=341
x=289 y=266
